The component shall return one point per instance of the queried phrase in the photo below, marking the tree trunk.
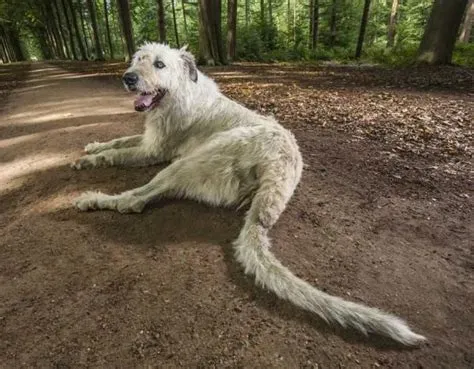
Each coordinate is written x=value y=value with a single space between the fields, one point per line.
x=231 y=28
x=69 y=29
x=49 y=24
x=363 y=26
x=288 y=19
x=55 y=30
x=95 y=29
x=161 y=21
x=294 y=21
x=15 y=44
x=314 y=24
x=82 y=49
x=84 y=29
x=440 y=34
x=4 y=44
x=205 y=55
x=173 y=8
x=392 y=24
x=465 y=34
x=61 y=30
x=50 y=42
x=7 y=43
x=43 y=42
x=210 y=34
x=262 y=13
x=6 y=56
x=184 y=20
x=333 y=24
x=126 y=21
x=107 y=27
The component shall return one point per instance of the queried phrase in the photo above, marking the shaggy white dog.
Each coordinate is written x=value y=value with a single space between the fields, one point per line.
x=223 y=154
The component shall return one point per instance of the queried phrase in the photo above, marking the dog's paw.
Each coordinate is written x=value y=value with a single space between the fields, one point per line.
x=88 y=162
x=87 y=201
x=94 y=148
x=130 y=204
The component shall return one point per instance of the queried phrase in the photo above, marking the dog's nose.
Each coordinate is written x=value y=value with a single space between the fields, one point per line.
x=130 y=78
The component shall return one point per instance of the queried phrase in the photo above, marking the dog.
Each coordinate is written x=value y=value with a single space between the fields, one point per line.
x=223 y=154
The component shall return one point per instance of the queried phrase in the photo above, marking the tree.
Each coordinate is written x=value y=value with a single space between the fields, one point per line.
x=82 y=49
x=231 y=28
x=210 y=35
x=392 y=23
x=95 y=29
x=45 y=8
x=175 y=23
x=184 y=19
x=11 y=40
x=126 y=21
x=69 y=28
x=363 y=26
x=161 y=21
x=84 y=27
x=440 y=34
x=465 y=34
x=107 y=27
x=314 y=23
x=61 y=29
x=333 y=23
x=6 y=57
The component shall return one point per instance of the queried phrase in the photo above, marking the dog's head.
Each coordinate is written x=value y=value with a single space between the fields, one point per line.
x=158 y=72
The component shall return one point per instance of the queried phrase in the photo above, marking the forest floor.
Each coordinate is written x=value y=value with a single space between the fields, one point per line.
x=383 y=216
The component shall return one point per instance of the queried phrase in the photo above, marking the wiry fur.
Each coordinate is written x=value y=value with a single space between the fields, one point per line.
x=223 y=154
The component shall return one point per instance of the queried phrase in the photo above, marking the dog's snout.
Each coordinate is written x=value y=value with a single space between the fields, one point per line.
x=130 y=79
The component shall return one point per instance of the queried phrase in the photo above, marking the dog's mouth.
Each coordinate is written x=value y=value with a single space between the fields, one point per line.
x=147 y=101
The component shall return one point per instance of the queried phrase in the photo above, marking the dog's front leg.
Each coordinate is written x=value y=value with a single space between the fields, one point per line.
x=118 y=143
x=132 y=156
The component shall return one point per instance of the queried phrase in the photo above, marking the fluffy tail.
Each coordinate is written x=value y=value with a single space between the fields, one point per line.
x=252 y=251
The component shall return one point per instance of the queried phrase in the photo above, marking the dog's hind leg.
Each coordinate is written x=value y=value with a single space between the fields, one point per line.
x=118 y=143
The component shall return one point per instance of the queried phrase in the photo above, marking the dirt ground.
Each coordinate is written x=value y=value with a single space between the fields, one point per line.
x=383 y=216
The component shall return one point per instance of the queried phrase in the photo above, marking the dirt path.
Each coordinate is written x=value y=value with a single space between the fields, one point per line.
x=161 y=289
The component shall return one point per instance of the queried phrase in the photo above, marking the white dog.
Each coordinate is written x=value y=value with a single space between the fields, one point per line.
x=222 y=154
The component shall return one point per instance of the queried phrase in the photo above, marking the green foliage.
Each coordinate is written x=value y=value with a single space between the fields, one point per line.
x=250 y=45
x=464 y=54
x=285 y=37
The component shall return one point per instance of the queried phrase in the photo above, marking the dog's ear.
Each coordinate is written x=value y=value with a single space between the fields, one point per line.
x=189 y=63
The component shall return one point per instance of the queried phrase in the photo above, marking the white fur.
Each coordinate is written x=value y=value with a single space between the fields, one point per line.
x=223 y=154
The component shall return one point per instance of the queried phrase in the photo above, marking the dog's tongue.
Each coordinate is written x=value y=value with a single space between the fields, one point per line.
x=143 y=101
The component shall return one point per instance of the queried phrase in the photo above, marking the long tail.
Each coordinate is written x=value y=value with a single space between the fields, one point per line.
x=252 y=251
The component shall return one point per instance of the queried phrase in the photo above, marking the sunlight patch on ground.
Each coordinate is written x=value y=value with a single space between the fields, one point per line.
x=40 y=135
x=229 y=73
x=47 y=78
x=27 y=89
x=27 y=165
x=70 y=108
x=224 y=76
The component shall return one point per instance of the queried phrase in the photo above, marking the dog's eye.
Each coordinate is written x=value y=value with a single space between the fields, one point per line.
x=159 y=64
